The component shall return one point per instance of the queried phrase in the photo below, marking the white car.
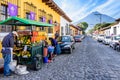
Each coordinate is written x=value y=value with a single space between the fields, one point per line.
x=106 y=40
x=100 y=38
x=114 y=41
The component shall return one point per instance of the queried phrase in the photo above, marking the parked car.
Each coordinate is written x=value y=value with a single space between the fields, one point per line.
x=100 y=38
x=94 y=37
x=78 y=38
x=114 y=42
x=118 y=46
x=106 y=40
x=67 y=43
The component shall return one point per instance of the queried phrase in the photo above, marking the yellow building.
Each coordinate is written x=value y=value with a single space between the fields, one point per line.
x=74 y=30
x=38 y=10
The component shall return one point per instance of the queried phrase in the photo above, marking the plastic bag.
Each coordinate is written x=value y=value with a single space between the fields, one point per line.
x=12 y=65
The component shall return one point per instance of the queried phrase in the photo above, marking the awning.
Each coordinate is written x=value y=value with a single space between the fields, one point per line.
x=23 y=22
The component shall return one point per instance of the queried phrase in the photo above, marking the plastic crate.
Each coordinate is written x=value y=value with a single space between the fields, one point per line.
x=36 y=50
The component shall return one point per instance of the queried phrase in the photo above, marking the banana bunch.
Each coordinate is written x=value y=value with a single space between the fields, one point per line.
x=25 y=54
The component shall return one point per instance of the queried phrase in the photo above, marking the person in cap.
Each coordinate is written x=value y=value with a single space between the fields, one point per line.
x=7 y=48
x=56 y=34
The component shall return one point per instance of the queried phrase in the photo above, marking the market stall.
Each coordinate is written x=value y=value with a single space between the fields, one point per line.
x=28 y=48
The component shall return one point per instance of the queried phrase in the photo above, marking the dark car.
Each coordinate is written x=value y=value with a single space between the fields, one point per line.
x=66 y=43
x=78 y=38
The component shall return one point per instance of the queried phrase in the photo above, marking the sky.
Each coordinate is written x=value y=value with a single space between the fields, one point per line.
x=78 y=9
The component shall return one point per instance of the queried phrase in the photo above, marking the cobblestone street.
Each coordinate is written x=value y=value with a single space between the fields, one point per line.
x=89 y=61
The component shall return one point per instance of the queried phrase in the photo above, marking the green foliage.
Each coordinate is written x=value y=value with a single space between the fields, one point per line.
x=90 y=31
x=105 y=25
x=98 y=26
x=83 y=25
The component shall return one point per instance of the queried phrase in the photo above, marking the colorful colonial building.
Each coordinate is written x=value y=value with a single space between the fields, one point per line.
x=38 y=10
x=74 y=30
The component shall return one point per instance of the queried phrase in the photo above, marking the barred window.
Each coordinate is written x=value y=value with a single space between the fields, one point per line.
x=42 y=28
x=27 y=15
x=50 y=30
x=4 y=15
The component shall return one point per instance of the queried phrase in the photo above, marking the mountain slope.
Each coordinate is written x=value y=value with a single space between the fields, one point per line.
x=94 y=18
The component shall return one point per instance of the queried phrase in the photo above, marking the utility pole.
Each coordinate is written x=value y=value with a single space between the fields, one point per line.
x=100 y=17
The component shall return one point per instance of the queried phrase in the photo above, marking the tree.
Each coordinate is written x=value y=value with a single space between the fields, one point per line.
x=98 y=26
x=83 y=25
x=90 y=31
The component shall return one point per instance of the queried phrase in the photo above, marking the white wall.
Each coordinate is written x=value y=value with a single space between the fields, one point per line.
x=2 y=35
x=107 y=32
x=117 y=29
x=64 y=23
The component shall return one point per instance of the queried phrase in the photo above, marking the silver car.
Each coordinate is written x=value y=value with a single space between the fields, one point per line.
x=106 y=40
x=114 y=41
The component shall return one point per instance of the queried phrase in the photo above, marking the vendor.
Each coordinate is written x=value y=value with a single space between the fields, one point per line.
x=7 y=49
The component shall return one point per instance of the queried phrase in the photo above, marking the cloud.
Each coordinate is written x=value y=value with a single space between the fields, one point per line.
x=78 y=9
x=108 y=8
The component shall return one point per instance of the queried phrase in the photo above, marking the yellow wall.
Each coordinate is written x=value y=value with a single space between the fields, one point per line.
x=73 y=29
x=39 y=5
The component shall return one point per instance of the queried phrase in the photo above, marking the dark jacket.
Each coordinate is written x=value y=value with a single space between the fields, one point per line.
x=53 y=42
x=56 y=35
x=8 y=41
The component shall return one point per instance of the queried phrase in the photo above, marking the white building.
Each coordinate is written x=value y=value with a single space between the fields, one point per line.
x=115 y=29
x=107 y=31
x=64 y=26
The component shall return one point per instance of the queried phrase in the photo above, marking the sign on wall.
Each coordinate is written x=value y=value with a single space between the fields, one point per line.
x=32 y=15
x=12 y=9
x=50 y=21
x=43 y=19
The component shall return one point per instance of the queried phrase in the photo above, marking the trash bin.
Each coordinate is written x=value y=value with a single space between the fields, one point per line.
x=45 y=59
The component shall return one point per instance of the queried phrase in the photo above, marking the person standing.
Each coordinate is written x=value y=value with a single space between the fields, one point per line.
x=56 y=35
x=7 y=49
x=53 y=43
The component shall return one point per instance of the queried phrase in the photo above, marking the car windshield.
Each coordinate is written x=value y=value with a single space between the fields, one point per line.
x=117 y=38
x=108 y=37
x=101 y=35
x=65 y=39
x=77 y=36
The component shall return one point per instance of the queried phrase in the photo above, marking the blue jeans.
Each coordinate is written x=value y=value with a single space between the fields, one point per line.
x=7 y=60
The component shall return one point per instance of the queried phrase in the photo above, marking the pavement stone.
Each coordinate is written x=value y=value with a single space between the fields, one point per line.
x=89 y=61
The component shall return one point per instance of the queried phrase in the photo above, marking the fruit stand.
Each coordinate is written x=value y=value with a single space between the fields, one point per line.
x=29 y=49
x=29 y=46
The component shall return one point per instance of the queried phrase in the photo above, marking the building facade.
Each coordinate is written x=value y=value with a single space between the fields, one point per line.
x=65 y=26
x=115 y=28
x=38 y=10
x=74 y=30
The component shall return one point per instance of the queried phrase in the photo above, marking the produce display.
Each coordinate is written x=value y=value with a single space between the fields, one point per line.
x=27 y=38
x=23 y=40
x=24 y=54
x=20 y=52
